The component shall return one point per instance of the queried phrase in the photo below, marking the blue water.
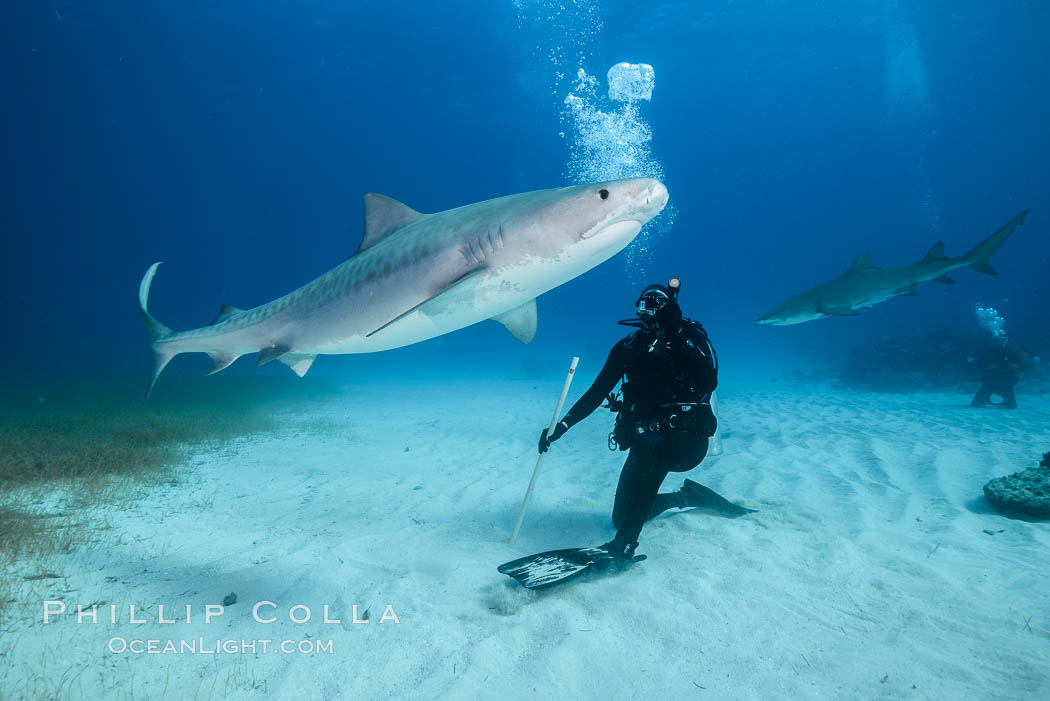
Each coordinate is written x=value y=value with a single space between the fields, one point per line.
x=234 y=141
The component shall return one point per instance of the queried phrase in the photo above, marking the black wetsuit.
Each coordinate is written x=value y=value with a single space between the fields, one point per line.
x=999 y=366
x=661 y=370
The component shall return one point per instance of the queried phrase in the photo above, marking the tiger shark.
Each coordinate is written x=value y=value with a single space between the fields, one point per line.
x=865 y=284
x=416 y=276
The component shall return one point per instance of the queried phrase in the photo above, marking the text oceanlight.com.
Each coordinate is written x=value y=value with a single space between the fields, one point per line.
x=202 y=646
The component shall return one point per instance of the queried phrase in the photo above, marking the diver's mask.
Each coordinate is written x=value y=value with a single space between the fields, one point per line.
x=654 y=300
x=649 y=304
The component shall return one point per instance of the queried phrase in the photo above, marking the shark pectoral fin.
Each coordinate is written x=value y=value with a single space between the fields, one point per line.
x=836 y=311
x=520 y=321
x=298 y=362
x=944 y=280
x=384 y=215
x=225 y=312
x=221 y=361
x=458 y=291
x=268 y=354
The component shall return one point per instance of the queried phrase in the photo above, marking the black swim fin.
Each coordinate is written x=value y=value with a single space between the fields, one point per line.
x=544 y=570
x=700 y=497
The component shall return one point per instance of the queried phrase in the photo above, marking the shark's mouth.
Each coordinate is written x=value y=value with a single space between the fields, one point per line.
x=624 y=227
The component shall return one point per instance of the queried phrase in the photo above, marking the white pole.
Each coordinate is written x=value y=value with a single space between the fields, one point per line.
x=539 y=461
x=714 y=445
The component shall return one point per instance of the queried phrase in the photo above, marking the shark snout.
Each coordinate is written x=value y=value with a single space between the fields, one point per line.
x=649 y=201
x=774 y=318
x=655 y=197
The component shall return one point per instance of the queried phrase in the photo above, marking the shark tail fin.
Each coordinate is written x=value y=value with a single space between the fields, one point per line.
x=977 y=257
x=156 y=332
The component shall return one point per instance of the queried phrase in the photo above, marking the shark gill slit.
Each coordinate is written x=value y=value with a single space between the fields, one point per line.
x=470 y=247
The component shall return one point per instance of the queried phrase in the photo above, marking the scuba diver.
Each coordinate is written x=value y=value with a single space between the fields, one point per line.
x=669 y=371
x=999 y=366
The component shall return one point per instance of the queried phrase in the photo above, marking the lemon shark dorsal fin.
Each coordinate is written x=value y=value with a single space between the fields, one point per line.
x=863 y=262
x=935 y=253
x=383 y=216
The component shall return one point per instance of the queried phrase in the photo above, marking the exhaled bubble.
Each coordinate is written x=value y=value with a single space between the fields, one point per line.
x=994 y=324
x=629 y=82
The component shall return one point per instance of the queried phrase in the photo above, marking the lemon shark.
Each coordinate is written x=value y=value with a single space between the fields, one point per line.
x=865 y=284
x=416 y=276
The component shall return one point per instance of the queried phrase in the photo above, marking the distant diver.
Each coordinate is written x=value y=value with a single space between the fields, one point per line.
x=999 y=366
x=415 y=276
x=664 y=417
x=864 y=284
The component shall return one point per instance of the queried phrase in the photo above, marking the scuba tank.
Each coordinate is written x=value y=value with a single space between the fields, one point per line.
x=714 y=443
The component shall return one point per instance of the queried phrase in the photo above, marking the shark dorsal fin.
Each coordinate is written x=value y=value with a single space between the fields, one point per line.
x=225 y=312
x=936 y=252
x=384 y=215
x=863 y=262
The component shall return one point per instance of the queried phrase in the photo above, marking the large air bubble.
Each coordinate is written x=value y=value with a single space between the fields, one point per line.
x=629 y=82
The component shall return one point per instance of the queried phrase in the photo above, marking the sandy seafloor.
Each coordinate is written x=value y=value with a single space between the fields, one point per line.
x=867 y=573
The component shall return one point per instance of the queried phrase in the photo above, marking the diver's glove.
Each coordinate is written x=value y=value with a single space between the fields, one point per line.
x=669 y=317
x=559 y=431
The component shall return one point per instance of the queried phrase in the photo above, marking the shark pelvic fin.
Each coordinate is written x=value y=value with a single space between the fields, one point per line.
x=384 y=215
x=274 y=351
x=298 y=362
x=520 y=321
x=456 y=292
x=936 y=252
x=862 y=262
x=944 y=280
x=221 y=361
x=910 y=291
x=225 y=312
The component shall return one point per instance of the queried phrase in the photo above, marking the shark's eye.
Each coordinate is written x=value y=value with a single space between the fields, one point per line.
x=603 y=193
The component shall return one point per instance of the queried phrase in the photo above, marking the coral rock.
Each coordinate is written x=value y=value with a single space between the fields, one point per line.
x=1026 y=492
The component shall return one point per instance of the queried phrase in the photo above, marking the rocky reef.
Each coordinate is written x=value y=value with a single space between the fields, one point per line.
x=936 y=360
x=939 y=360
x=1026 y=492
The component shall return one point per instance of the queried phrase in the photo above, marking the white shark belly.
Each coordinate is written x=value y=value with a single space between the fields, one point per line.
x=468 y=303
